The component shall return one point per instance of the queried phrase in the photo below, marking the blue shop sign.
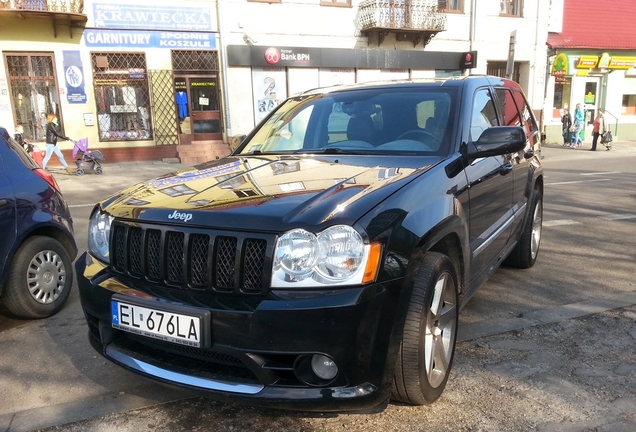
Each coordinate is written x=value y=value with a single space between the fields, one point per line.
x=149 y=39
x=121 y=16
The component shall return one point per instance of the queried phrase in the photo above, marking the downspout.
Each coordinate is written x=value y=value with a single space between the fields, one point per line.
x=223 y=62
x=545 y=77
x=473 y=21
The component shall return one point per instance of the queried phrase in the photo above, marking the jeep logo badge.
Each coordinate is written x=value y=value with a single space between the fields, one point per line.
x=180 y=216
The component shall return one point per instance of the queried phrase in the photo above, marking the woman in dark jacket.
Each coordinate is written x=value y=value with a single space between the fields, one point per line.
x=566 y=122
x=51 y=143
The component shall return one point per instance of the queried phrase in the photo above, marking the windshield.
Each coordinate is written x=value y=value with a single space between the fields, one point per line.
x=380 y=120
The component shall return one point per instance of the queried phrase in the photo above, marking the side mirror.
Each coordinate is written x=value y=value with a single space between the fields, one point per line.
x=236 y=141
x=496 y=141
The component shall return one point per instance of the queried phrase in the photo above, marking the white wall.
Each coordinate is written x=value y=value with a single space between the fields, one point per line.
x=304 y=23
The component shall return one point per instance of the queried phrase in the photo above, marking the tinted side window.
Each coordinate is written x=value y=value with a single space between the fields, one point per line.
x=507 y=108
x=528 y=119
x=484 y=114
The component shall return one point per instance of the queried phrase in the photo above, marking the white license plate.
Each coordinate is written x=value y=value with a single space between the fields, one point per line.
x=158 y=324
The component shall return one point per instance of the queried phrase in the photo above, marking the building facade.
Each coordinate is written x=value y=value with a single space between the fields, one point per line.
x=151 y=80
x=591 y=58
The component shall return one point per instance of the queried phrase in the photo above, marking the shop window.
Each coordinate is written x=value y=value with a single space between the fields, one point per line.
x=122 y=96
x=562 y=88
x=33 y=92
x=346 y=3
x=447 y=73
x=450 y=5
x=629 y=96
x=510 y=7
x=629 y=105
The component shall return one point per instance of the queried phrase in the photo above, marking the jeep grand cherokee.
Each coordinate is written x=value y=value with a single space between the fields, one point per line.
x=322 y=265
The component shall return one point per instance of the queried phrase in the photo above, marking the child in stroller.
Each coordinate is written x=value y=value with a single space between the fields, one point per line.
x=82 y=154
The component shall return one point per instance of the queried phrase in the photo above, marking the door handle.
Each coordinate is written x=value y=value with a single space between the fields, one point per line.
x=506 y=169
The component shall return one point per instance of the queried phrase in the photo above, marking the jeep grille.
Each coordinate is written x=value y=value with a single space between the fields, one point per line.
x=192 y=259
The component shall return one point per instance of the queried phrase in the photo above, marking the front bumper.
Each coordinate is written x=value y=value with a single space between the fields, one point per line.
x=260 y=348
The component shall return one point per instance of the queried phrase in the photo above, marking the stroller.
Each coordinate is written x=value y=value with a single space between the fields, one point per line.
x=82 y=154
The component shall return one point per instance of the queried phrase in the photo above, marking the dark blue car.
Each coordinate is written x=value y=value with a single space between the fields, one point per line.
x=37 y=247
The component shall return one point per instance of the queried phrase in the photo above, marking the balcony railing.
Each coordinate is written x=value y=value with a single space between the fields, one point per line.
x=56 y=6
x=409 y=19
x=69 y=13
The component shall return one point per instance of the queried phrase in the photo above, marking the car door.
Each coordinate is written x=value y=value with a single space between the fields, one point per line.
x=7 y=216
x=490 y=190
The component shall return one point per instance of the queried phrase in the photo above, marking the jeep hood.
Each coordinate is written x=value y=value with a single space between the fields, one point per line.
x=269 y=193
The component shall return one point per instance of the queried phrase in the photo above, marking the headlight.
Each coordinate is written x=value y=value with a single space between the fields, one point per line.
x=297 y=253
x=336 y=256
x=99 y=235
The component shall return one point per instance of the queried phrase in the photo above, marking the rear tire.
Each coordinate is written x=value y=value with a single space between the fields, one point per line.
x=98 y=171
x=524 y=255
x=426 y=351
x=39 y=280
x=79 y=172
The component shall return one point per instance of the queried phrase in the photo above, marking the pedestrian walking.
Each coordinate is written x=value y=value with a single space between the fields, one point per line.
x=566 y=124
x=579 y=123
x=600 y=126
x=51 y=142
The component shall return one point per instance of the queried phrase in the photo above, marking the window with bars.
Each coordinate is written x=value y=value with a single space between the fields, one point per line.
x=499 y=69
x=122 y=96
x=33 y=92
x=511 y=7
x=195 y=61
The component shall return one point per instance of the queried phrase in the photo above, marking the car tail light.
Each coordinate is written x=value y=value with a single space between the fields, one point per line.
x=48 y=177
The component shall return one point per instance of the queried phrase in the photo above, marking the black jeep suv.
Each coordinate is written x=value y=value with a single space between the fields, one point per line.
x=323 y=264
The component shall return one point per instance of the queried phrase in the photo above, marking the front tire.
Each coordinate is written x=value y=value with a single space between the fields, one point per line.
x=426 y=351
x=524 y=255
x=39 y=279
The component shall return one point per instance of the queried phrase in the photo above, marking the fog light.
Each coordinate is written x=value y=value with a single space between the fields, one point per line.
x=324 y=367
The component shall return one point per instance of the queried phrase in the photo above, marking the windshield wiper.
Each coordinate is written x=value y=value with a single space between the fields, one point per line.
x=327 y=150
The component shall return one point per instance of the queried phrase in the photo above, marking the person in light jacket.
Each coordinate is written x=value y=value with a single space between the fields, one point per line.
x=579 y=123
x=51 y=143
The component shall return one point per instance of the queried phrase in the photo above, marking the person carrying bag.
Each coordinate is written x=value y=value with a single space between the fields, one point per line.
x=606 y=134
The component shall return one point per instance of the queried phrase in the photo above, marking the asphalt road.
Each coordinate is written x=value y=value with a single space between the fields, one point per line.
x=552 y=348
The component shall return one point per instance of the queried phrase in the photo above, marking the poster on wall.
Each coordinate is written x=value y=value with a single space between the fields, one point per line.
x=74 y=77
x=301 y=79
x=336 y=76
x=269 y=89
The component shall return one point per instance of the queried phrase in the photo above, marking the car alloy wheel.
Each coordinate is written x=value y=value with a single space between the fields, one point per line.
x=427 y=347
x=39 y=280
